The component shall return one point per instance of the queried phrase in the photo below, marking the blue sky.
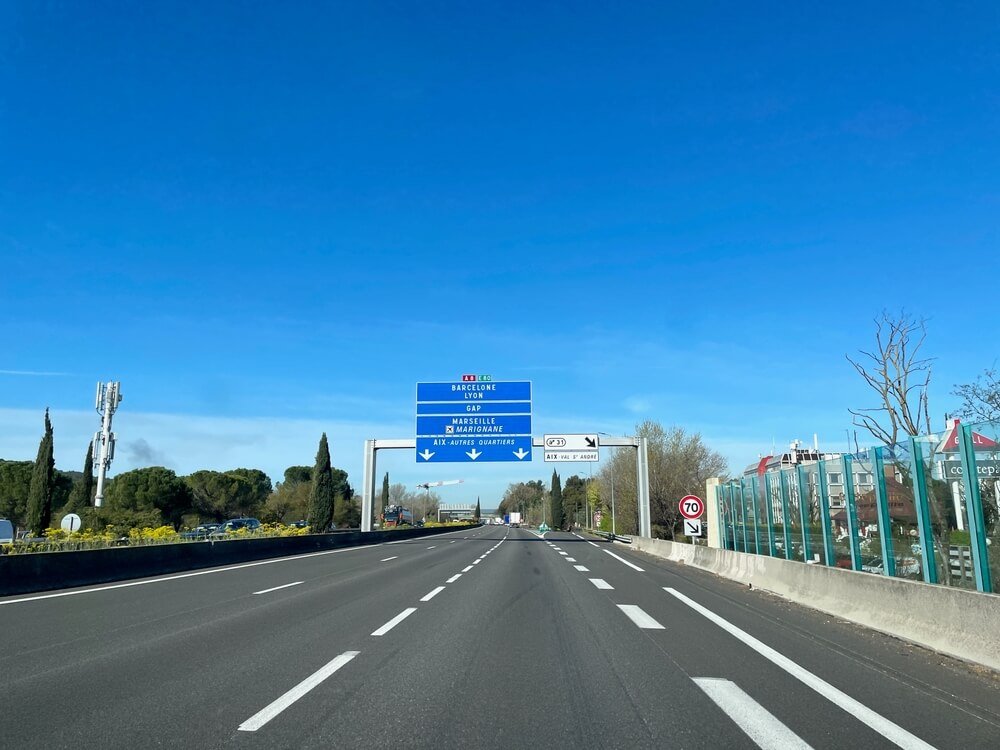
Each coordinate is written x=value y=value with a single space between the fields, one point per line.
x=270 y=222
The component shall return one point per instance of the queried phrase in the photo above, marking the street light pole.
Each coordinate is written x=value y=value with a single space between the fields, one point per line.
x=614 y=527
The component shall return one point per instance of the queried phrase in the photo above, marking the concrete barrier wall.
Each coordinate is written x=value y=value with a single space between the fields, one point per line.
x=43 y=571
x=961 y=623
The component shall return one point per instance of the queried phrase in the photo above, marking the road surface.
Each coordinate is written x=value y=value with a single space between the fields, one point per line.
x=490 y=637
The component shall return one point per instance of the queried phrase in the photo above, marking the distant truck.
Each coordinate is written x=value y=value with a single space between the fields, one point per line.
x=515 y=519
x=396 y=515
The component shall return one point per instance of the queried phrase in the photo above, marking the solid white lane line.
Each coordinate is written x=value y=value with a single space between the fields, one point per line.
x=591 y=544
x=760 y=725
x=184 y=575
x=582 y=568
x=577 y=535
x=263 y=716
x=394 y=557
x=889 y=730
x=570 y=559
x=285 y=586
x=639 y=617
x=454 y=578
x=467 y=568
x=602 y=584
x=432 y=594
x=622 y=559
x=395 y=621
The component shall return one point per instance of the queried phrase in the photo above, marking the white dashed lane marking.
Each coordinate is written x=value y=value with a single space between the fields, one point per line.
x=756 y=721
x=267 y=713
x=639 y=617
x=276 y=588
x=395 y=621
x=427 y=597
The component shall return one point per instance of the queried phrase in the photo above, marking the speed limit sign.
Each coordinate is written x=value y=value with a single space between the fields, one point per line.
x=691 y=506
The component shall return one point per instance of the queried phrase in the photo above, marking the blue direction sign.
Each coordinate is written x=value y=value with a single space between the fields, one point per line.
x=482 y=421
x=502 y=390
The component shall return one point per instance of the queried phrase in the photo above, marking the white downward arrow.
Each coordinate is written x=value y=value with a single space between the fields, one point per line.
x=473 y=454
x=521 y=453
x=426 y=455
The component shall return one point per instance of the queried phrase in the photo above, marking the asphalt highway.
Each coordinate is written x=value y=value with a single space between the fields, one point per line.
x=490 y=637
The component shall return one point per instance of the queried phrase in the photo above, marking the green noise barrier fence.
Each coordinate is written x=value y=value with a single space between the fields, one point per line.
x=926 y=509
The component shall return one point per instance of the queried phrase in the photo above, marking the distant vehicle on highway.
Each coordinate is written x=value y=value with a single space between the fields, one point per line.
x=397 y=515
x=300 y=524
x=6 y=531
x=235 y=524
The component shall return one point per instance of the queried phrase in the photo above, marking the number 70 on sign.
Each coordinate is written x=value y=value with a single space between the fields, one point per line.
x=691 y=506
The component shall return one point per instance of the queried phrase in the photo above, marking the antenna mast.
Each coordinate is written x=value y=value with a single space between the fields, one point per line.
x=107 y=400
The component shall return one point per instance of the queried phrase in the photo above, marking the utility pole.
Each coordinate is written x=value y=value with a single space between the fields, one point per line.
x=107 y=400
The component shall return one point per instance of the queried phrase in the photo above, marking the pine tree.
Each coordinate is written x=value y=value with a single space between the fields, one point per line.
x=556 y=500
x=39 y=511
x=321 y=498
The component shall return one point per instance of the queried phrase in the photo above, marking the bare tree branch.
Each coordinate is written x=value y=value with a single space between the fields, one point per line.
x=894 y=364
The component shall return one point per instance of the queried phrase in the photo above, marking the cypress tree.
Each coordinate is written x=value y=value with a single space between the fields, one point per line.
x=477 y=509
x=321 y=497
x=84 y=490
x=385 y=496
x=39 y=511
x=556 y=499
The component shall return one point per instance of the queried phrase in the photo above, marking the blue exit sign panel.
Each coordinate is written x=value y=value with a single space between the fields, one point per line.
x=472 y=421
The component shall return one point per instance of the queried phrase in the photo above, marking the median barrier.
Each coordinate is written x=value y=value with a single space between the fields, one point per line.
x=44 y=571
x=961 y=623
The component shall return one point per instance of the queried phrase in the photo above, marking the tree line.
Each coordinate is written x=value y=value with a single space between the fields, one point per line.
x=679 y=465
x=34 y=495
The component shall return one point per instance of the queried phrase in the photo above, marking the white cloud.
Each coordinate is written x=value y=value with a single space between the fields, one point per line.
x=638 y=404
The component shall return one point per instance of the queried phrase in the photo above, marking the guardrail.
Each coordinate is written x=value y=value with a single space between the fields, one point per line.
x=44 y=571
x=609 y=536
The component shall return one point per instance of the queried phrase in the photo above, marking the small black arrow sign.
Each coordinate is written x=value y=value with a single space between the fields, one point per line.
x=591 y=442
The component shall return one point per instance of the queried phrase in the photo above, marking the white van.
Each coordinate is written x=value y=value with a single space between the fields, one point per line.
x=6 y=531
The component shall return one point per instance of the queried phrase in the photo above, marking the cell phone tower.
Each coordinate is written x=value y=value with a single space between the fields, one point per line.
x=108 y=397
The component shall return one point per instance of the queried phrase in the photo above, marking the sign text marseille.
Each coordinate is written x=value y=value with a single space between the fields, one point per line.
x=474 y=421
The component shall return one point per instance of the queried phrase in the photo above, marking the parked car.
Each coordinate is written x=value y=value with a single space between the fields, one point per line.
x=234 y=524
x=872 y=565
x=201 y=531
